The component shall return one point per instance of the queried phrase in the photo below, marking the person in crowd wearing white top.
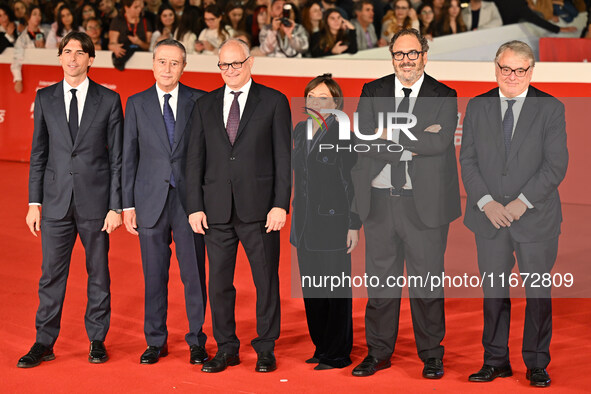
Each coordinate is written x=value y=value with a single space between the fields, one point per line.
x=166 y=23
x=65 y=24
x=283 y=37
x=216 y=32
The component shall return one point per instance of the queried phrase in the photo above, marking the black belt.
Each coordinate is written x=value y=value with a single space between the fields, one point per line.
x=393 y=192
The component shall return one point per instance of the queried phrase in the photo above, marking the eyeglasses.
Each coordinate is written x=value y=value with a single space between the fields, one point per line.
x=426 y=12
x=235 y=65
x=506 y=71
x=412 y=55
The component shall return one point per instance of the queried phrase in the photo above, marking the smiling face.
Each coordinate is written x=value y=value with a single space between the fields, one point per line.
x=408 y=71
x=233 y=52
x=511 y=85
x=167 y=18
x=93 y=29
x=75 y=61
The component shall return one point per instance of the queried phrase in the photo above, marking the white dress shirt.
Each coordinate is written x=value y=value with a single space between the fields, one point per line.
x=81 y=92
x=229 y=97
x=519 y=99
x=173 y=100
x=382 y=180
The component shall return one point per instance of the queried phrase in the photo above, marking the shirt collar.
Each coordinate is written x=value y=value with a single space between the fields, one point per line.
x=415 y=87
x=245 y=89
x=174 y=92
x=522 y=95
x=83 y=87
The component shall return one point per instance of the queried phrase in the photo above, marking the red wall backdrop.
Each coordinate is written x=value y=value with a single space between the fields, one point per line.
x=16 y=110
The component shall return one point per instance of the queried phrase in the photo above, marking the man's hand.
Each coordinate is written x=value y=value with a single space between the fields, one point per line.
x=434 y=128
x=352 y=239
x=516 y=208
x=129 y=220
x=275 y=219
x=112 y=222
x=33 y=219
x=198 y=222
x=497 y=214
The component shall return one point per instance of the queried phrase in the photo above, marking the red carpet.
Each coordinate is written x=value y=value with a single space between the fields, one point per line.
x=20 y=261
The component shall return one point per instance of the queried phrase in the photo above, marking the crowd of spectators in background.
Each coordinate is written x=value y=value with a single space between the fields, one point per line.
x=277 y=28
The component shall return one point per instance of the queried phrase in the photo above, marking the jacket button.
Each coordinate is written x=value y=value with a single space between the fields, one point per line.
x=325 y=159
x=232 y=158
x=331 y=211
x=74 y=154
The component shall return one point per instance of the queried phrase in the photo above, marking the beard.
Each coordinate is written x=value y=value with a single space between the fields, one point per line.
x=410 y=77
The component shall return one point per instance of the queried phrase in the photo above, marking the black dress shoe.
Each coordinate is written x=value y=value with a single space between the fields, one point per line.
x=153 y=354
x=323 y=367
x=198 y=354
x=312 y=360
x=37 y=354
x=433 y=368
x=97 y=353
x=370 y=365
x=538 y=377
x=266 y=362
x=220 y=362
x=488 y=373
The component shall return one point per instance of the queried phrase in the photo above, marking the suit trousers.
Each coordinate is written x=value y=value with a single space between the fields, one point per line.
x=156 y=253
x=58 y=237
x=262 y=250
x=496 y=256
x=394 y=233
x=329 y=313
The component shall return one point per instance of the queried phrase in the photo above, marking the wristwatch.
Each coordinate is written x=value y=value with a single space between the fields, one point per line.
x=117 y=211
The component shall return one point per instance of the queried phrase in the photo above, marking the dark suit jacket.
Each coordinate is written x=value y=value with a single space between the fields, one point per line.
x=148 y=159
x=515 y=11
x=323 y=192
x=88 y=169
x=253 y=175
x=433 y=172
x=536 y=165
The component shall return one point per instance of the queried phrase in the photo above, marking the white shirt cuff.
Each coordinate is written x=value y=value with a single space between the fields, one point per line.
x=525 y=201
x=128 y=209
x=34 y=203
x=483 y=201
x=406 y=156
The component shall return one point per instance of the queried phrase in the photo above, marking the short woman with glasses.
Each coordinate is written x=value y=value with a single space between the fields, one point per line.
x=85 y=12
x=426 y=21
x=216 y=32
x=336 y=36
x=323 y=228
x=401 y=16
x=451 y=21
x=93 y=27
x=65 y=24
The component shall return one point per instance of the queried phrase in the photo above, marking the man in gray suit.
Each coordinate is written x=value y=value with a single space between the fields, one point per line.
x=157 y=125
x=75 y=175
x=513 y=158
x=406 y=200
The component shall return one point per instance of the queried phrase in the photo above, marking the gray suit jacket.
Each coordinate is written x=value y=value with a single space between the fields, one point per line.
x=489 y=16
x=434 y=172
x=535 y=166
x=88 y=169
x=148 y=159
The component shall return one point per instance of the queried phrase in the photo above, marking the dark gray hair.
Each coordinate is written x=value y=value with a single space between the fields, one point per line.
x=520 y=48
x=410 y=32
x=239 y=42
x=171 y=42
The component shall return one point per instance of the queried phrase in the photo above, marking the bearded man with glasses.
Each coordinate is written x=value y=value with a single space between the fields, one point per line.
x=513 y=158
x=406 y=200
x=238 y=190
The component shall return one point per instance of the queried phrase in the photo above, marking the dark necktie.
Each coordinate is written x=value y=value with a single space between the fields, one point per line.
x=73 y=120
x=233 y=118
x=508 y=121
x=398 y=172
x=169 y=123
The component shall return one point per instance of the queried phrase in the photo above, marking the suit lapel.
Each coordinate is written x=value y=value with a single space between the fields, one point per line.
x=91 y=104
x=495 y=119
x=184 y=105
x=59 y=109
x=526 y=118
x=151 y=107
x=251 y=103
